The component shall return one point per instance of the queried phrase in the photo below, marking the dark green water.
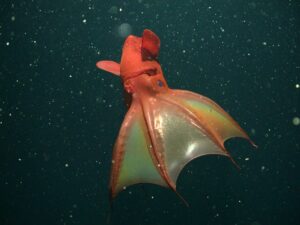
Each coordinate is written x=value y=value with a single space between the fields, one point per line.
x=59 y=115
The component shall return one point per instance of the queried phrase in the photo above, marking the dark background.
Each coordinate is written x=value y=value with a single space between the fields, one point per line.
x=59 y=115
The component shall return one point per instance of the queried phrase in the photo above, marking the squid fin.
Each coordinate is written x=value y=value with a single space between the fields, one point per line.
x=109 y=66
x=150 y=44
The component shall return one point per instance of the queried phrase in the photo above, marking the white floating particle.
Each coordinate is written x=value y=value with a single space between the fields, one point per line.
x=84 y=20
x=19 y=159
x=296 y=121
x=264 y=43
x=297 y=85
x=66 y=165
x=124 y=30
x=247 y=159
x=7 y=43
x=13 y=18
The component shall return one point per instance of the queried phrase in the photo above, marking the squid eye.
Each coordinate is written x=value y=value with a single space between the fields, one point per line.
x=160 y=83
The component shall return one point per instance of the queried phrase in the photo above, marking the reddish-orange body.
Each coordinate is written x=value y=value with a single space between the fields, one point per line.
x=164 y=129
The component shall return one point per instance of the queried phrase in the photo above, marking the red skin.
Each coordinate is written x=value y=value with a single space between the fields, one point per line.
x=144 y=81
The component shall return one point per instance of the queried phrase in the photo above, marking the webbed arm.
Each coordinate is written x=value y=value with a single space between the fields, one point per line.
x=133 y=161
x=186 y=126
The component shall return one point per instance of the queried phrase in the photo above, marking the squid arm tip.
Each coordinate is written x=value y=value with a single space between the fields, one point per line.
x=253 y=144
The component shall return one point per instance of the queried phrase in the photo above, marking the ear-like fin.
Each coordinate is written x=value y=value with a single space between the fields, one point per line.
x=109 y=66
x=150 y=44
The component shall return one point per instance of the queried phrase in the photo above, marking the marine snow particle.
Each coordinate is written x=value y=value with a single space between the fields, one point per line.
x=296 y=121
x=124 y=30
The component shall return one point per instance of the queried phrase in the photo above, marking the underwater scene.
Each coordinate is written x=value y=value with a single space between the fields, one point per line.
x=149 y=112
